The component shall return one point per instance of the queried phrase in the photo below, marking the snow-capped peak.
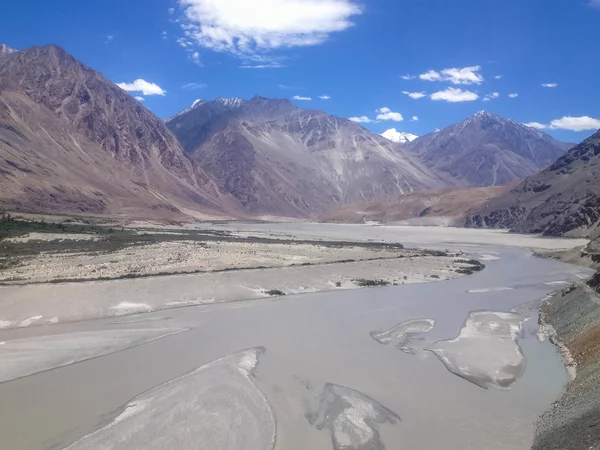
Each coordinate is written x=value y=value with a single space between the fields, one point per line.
x=5 y=50
x=489 y=115
x=399 y=136
x=194 y=105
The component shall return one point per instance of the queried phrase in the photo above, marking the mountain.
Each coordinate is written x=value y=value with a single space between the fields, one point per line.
x=446 y=206
x=72 y=141
x=399 y=136
x=564 y=199
x=278 y=159
x=6 y=50
x=203 y=118
x=488 y=150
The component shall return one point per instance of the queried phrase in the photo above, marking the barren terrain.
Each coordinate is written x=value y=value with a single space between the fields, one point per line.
x=444 y=207
x=54 y=257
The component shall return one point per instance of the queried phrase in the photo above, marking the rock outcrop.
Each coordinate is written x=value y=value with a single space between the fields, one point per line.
x=563 y=199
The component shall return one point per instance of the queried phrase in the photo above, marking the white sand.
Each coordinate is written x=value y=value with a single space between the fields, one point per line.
x=408 y=235
x=41 y=304
x=48 y=237
x=216 y=406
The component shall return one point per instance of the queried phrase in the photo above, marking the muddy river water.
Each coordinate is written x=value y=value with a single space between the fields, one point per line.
x=455 y=364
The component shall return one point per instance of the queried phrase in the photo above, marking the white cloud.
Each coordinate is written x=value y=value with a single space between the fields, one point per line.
x=250 y=28
x=163 y=35
x=301 y=98
x=550 y=85
x=575 y=123
x=193 y=86
x=324 y=97
x=466 y=75
x=269 y=65
x=143 y=86
x=291 y=87
x=188 y=46
x=454 y=95
x=360 y=119
x=414 y=118
x=195 y=57
x=594 y=3
x=491 y=96
x=184 y=42
x=584 y=123
x=139 y=99
x=498 y=77
x=171 y=10
x=415 y=95
x=387 y=114
x=109 y=38
x=539 y=126
x=432 y=75
x=513 y=95
x=408 y=77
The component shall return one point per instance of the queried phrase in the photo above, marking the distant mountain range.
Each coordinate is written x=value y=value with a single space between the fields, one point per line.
x=488 y=150
x=278 y=159
x=562 y=199
x=72 y=141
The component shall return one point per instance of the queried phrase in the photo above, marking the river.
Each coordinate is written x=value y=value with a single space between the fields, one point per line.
x=314 y=371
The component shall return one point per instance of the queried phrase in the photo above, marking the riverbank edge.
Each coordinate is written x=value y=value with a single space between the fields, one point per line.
x=571 y=318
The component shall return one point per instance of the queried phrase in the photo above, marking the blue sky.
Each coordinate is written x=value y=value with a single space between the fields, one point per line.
x=353 y=51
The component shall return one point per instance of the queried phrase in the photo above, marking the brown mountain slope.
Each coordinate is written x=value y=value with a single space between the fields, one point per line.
x=449 y=205
x=488 y=150
x=564 y=199
x=126 y=143
x=279 y=159
x=47 y=166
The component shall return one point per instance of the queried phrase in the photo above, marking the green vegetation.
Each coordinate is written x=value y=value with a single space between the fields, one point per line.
x=13 y=227
x=370 y=283
x=275 y=293
x=474 y=262
x=435 y=253
x=474 y=266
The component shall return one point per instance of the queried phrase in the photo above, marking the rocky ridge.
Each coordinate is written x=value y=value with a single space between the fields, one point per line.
x=563 y=199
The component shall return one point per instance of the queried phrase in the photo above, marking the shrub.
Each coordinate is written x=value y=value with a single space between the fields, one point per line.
x=275 y=293
x=370 y=283
x=435 y=253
